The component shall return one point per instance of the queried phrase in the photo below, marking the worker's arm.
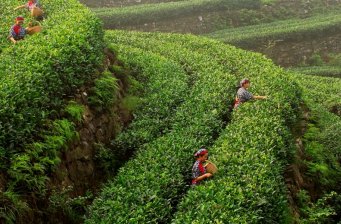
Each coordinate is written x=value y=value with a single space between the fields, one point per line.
x=13 y=40
x=259 y=97
x=20 y=7
x=204 y=176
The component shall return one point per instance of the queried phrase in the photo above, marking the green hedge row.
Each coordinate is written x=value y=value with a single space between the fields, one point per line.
x=322 y=142
x=281 y=29
x=323 y=90
x=332 y=71
x=151 y=12
x=221 y=53
x=162 y=86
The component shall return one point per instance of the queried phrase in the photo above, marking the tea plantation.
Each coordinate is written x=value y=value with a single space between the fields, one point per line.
x=180 y=92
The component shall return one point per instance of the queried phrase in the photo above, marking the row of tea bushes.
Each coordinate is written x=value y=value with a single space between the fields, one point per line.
x=323 y=90
x=228 y=57
x=279 y=29
x=330 y=71
x=162 y=85
x=144 y=13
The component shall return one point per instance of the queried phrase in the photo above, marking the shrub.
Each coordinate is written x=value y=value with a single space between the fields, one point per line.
x=11 y=206
x=335 y=60
x=75 y=111
x=29 y=169
x=315 y=60
x=319 y=212
x=73 y=208
x=104 y=94
x=322 y=146
x=152 y=98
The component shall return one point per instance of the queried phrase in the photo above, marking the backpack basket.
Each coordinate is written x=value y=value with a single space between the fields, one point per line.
x=210 y=167
x=36 y=12
x=33 y=30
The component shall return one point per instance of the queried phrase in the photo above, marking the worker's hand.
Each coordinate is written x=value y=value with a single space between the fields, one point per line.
x=13 y=40
x=207 y=175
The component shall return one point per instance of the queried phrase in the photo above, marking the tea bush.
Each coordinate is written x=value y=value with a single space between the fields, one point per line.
x=165 y=85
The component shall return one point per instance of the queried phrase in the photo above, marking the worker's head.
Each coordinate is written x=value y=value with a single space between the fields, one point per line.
x=245 y=83
x=201 y=154
x=19 y=20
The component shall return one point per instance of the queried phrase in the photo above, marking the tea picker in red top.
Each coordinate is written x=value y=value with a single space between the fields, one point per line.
x=199 y=172
x=17 y=32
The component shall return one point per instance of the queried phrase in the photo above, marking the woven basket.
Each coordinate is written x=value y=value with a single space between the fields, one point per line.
x=33 y=30
x=36 y=12
x=210 y=167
